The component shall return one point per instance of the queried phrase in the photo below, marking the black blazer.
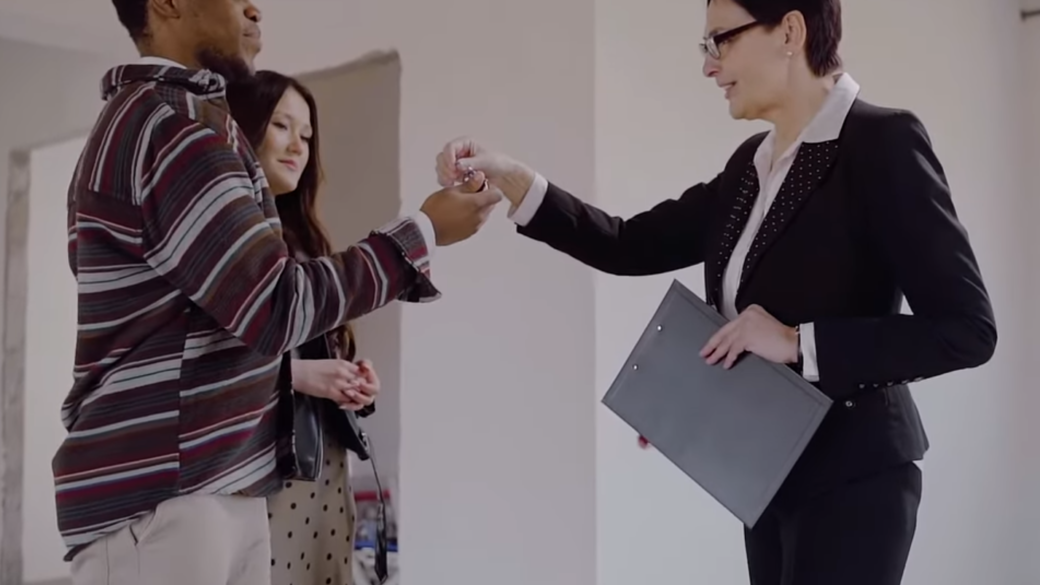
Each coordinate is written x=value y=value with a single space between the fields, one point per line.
x=859 y=222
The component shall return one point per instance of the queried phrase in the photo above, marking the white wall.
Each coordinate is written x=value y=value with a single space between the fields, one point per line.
x=57 y=96
x=1031 y=56
x=498 y=443
x=50 y=350
x=51 y=96
x=661 y=127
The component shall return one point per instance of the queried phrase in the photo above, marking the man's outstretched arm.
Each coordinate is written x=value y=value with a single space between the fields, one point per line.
x=205 y=233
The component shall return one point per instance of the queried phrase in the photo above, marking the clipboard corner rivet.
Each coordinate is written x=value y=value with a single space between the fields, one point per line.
x=635 y=366
x=660 y=327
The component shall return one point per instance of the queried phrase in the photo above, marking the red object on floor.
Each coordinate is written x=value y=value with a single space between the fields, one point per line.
x=370 y=496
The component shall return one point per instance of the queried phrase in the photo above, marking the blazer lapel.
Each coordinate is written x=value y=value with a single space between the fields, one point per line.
x=807 y=172
x=736 y=219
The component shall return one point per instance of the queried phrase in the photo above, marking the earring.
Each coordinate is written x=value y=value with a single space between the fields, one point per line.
x=790 y=54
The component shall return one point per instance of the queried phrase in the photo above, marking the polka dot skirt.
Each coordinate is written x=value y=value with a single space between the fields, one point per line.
x=312 y=527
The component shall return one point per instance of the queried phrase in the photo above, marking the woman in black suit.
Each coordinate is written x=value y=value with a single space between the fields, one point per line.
x=811 y=236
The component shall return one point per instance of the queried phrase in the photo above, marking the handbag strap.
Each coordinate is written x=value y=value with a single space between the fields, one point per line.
x=284 y=423
x=382 y=566
x=319 y=348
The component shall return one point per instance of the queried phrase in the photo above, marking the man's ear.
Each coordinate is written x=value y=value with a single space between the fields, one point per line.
x=166 y=9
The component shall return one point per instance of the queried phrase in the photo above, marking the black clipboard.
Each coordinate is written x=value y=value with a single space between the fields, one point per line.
x=737 y=433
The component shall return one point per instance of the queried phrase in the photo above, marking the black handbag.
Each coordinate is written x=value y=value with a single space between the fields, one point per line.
x=301 y=446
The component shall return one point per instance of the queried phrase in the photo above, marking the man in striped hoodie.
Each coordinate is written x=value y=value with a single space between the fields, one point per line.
x=187 y=300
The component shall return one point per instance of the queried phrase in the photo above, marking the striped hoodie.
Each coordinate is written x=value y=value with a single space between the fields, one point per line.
x=188 y=298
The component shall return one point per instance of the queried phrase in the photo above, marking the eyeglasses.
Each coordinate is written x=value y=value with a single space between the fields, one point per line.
x=710 y=45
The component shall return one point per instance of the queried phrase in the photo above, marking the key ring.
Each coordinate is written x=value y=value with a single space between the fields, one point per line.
x=469 y=175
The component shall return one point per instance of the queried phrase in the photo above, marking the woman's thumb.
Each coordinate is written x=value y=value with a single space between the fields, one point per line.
x=480 y=163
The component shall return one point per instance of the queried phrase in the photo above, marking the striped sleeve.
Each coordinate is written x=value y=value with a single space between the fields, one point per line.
x=206 y=233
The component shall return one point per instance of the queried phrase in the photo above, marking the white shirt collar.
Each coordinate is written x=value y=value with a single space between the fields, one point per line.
x=825 y=126
x=827 y=123
x=159 y=61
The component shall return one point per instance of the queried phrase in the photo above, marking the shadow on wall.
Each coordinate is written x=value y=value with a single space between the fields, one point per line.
x=359 y=111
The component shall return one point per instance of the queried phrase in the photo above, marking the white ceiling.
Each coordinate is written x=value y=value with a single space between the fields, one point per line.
x=91 y=25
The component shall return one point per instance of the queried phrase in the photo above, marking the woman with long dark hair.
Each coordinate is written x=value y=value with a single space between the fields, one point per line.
x=312 y=523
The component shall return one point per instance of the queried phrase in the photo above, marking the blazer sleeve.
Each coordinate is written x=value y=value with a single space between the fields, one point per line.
x=913 y=226
x=673 y=234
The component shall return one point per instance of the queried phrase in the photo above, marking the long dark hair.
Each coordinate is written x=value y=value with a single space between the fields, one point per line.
x=252 y=103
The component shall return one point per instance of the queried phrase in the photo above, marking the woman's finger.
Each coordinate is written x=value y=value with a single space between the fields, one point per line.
x=359 y=399
x=368 y=388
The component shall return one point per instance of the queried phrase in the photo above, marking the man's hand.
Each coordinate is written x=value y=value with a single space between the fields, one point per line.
x=463 y=154
x=458 y=212
x=756 y=331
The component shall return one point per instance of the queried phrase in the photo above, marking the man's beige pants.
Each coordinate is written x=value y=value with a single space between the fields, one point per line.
x=191 y=540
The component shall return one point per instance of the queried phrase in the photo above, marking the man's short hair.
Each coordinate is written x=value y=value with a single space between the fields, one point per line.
x=134 y=16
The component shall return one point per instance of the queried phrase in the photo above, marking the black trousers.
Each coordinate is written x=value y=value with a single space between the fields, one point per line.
x=856 y=534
